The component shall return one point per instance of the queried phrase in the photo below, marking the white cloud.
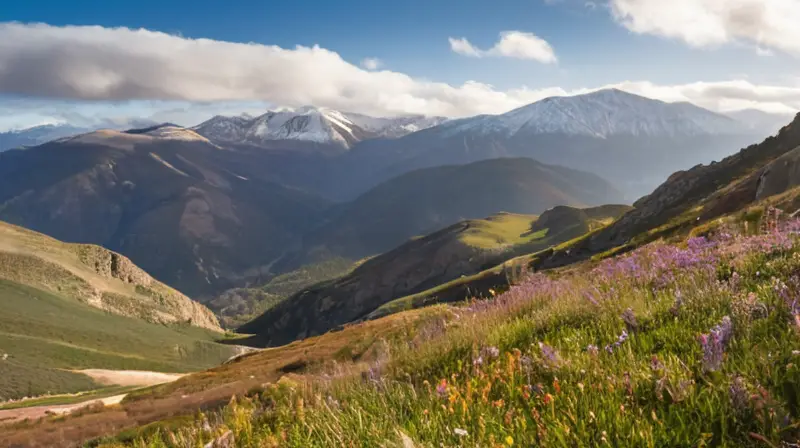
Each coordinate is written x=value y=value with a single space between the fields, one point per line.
x=463 y=47
x=723 y=96
x=371 y=63
x=512 y=44
x=764 y=24
x=96 y=63
x=91 y=74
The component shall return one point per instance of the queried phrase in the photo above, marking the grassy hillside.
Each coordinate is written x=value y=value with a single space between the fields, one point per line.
x=94 y=276
x=45 y=336
x=429 y=199
x=686 y=344
x=455 y=252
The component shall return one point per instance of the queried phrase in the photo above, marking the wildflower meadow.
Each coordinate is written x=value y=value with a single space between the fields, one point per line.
x=694 y=343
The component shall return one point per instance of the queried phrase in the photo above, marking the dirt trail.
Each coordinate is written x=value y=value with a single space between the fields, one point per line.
x=106 y=377
x=129 y=377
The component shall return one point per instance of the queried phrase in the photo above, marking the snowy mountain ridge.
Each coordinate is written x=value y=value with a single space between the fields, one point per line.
x=599 y=114
x=310 y=124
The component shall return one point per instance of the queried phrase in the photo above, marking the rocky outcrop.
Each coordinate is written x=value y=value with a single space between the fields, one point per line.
x=161 y=303
x=113 y=265
x=780 y=175
x=96 y=276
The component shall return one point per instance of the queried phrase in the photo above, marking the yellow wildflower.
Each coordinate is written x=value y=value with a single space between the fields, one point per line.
x=509 y=440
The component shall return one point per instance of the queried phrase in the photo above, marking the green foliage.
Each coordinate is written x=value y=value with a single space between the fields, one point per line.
x=500 y=231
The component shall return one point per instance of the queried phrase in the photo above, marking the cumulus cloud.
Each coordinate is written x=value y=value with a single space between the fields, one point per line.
x=96 y=63
x=765 y=24
x=371 y=63
x=512 y=44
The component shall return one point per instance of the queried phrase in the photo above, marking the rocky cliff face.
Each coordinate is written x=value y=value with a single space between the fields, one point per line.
x=95 y=276
x=780 y=175
x=176 y=306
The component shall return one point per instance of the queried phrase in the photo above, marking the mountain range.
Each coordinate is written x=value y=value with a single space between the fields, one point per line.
x=310 y=124
x=634 y=141
x=327 y=225
x=237 y=200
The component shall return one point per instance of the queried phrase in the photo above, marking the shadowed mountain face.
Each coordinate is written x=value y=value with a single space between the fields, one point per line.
x=426 y=200
x=420 y=264
x=176 y=204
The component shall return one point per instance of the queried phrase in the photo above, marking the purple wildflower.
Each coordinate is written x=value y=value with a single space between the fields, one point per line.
x=620 y=340
x=714 y=344
x=550 y=355
x=592 y=350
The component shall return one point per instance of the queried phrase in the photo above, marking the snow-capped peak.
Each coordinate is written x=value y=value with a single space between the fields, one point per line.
x=310 y=124
x=601 y=114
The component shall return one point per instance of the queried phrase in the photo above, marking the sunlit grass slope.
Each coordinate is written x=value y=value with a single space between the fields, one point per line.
x=691 y=344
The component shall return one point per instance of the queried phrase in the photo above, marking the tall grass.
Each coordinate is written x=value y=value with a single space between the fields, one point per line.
x=694 y=344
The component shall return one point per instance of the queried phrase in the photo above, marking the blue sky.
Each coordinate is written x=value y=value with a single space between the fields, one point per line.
x=645 y=46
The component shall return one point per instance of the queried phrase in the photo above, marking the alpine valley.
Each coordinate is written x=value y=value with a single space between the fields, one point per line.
x=298 y=273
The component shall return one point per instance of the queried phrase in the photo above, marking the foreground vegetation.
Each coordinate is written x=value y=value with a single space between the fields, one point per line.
x=695 y=344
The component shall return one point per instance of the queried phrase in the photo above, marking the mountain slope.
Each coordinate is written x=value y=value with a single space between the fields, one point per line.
x=422 y=201
x=309 y=124
x=195 y=216
x=47 y=337
x=67 y=307
x=627 y=138
x=456 y=251
x=757 y=176
x=94 y=276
